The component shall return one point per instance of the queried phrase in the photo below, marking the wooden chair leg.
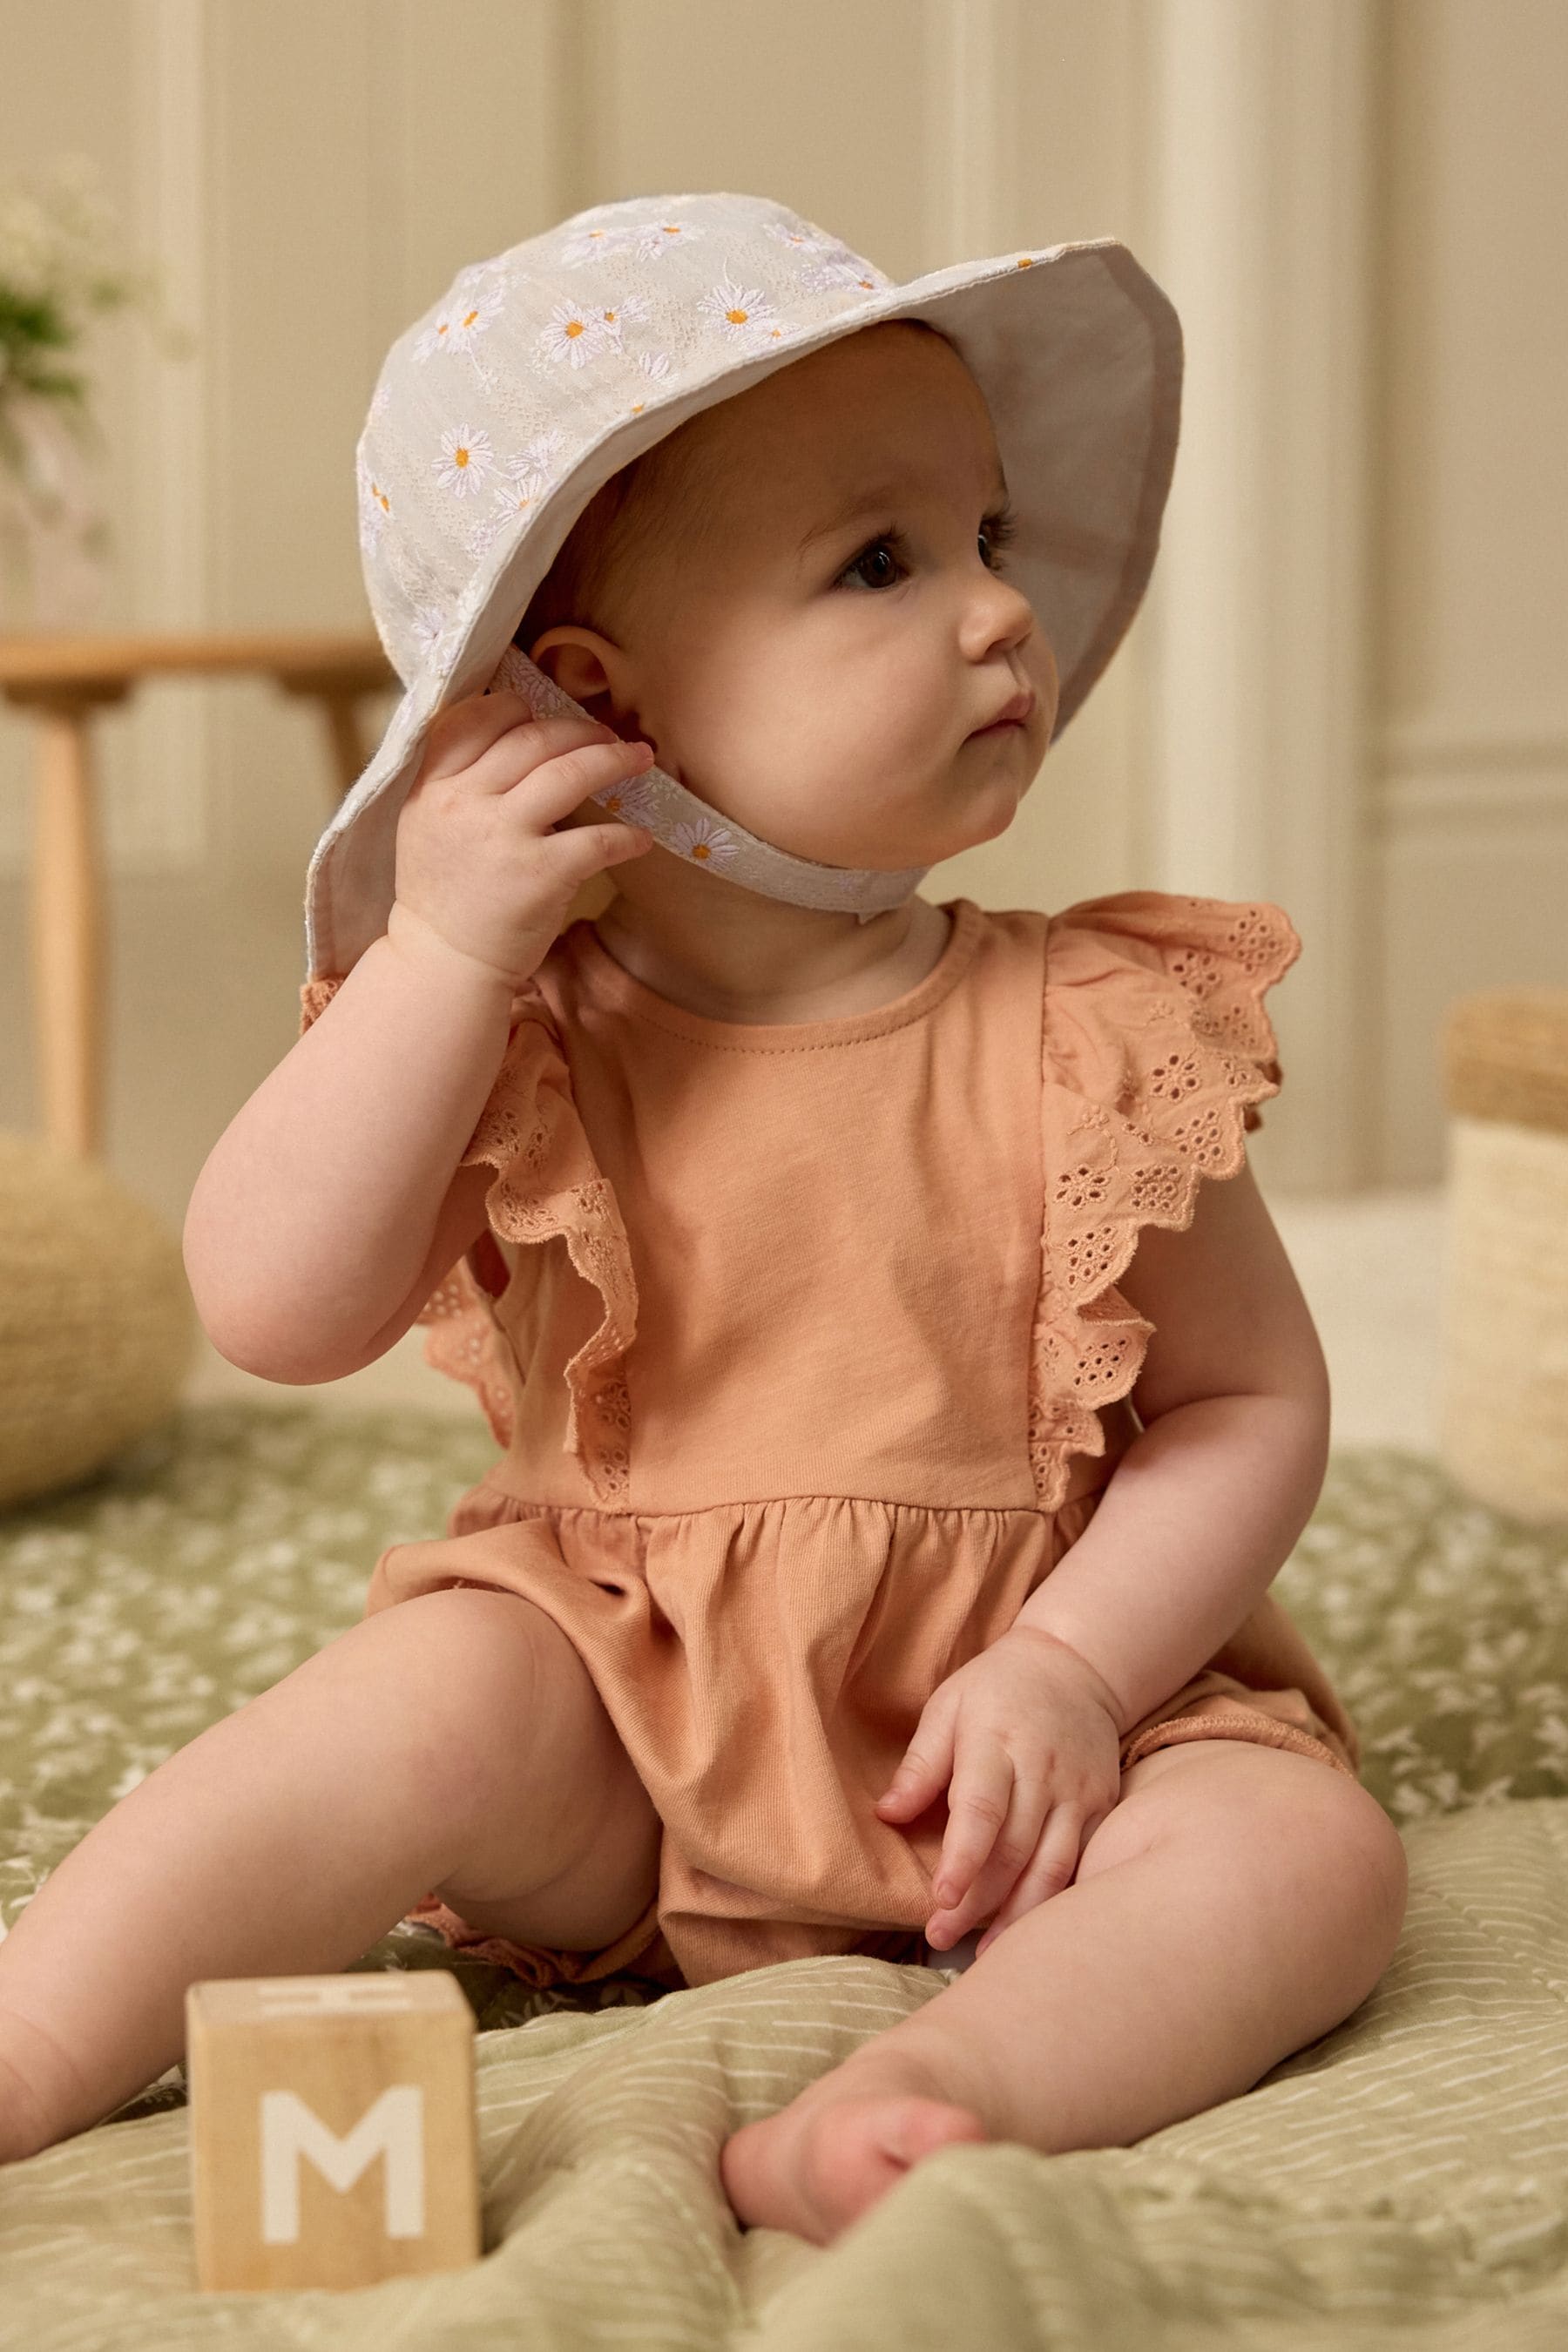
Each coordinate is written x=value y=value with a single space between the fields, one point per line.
x=68 y=954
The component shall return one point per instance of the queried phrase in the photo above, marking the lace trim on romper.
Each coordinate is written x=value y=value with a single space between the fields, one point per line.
x=529 y=1131
x=1156 y=1051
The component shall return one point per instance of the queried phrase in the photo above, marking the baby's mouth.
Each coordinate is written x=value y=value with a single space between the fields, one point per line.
x=1014 y=713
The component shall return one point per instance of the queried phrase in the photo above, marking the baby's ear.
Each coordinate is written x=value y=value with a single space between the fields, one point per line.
x=591 y=669
x=574 y=657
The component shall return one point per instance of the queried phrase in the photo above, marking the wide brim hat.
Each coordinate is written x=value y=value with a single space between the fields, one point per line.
x=501 y=412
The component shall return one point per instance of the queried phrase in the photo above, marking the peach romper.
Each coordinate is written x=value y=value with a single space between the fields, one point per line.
x=804 y=1352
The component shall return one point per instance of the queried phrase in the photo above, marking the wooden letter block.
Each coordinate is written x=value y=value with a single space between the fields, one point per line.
x=334 y=2140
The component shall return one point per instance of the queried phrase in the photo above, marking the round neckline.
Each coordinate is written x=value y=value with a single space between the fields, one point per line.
x=611 y=984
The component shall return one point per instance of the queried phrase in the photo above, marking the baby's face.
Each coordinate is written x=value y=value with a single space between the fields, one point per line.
x=814 y=651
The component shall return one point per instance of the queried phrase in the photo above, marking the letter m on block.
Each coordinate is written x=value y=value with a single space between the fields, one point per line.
x=394 y=2128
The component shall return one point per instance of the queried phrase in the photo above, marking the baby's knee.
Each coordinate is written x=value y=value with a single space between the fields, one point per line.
x=1317 y=1838
x=1331 y=1848
x=1352 y=1846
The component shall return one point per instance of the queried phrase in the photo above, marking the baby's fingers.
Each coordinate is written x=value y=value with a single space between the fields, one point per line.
x=926 y=1770
x=1051 y=1869
x=463 y=734
x=978 y=1803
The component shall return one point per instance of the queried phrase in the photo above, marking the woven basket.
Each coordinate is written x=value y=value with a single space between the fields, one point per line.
x=1504 y=1389
x=97 y=1327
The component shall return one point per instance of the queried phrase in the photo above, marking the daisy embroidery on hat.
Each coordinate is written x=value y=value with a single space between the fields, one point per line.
x=465 y=460
x=527 y=481
x=741 y=312
x=631 y=310
x=825 y=261
x=459 y=327
x=574 y=332
x=652 y=240
x=655 y=365
x=374 y=507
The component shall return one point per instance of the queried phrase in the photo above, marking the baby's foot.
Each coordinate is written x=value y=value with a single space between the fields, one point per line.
x=826 y=2158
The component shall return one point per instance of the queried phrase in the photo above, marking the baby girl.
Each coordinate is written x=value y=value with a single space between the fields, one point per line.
x=903 y=1399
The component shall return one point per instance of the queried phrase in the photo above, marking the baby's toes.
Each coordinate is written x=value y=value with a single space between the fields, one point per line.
x=860 y=2149
x=819 y=2164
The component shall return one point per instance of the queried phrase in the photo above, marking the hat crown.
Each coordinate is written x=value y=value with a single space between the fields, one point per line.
x=490 y=400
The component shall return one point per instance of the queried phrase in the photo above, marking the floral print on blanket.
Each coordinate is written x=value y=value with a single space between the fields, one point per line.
x=223 y=1550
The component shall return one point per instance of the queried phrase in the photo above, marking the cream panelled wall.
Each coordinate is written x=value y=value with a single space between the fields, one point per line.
x=1346 y=692
x=1470 y=842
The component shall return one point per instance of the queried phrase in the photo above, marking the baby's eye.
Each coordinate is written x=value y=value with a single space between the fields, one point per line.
x=881 y=553
x=883 y=561
x=996 y=532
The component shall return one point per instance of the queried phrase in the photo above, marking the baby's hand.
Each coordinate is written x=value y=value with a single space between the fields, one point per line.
x=1027 y=1734
x=477 y=862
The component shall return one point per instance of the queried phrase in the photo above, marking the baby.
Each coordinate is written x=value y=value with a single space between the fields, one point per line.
x=899 y=1439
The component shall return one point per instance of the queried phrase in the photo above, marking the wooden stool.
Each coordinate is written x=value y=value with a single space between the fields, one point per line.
x=297 y=2086
x=62 y=680
x=1504 y=1409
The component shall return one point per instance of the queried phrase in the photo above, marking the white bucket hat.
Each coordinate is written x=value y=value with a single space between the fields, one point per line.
x=498 y=415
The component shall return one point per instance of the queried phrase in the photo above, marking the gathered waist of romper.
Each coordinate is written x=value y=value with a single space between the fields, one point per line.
x=495 y=1500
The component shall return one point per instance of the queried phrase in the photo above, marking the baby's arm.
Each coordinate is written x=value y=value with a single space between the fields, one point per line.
x=1204 y=1508
x=332 y=1204
x=1199 y=1515
x=331 y=1197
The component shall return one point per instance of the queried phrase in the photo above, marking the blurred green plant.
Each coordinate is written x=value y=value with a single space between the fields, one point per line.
x=62 y=266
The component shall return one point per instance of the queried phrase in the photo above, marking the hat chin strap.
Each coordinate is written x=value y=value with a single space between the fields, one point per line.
x=704 y=837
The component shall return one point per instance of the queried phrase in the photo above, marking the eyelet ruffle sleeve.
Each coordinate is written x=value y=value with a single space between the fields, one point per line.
x=546 y=1183
x=1156 y=1051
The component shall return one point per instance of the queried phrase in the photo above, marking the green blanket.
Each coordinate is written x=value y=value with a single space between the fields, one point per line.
x=1409 y=2171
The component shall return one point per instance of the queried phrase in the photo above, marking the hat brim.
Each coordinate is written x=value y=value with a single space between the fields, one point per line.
x=1078 y=355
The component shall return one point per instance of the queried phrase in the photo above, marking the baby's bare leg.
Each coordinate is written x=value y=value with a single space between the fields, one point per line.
x=454 y=1741
x=1235 y=1904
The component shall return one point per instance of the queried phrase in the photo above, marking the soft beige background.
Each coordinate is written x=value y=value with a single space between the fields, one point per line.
x=1348 y=691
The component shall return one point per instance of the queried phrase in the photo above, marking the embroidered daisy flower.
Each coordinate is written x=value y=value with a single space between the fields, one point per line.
x=427 y=627
x=803 y=239
x=456 y=327
x=574 y=334
x=631 y=306
x=654 y=365
x=704 y=843
x=625 y=800
x=829 y=272
x=512 y=501
x=479 y=540
x=522 y=488
x=594 y=244
x=534 y=457
x=738 y=311
x=435 y=632
x=655 y=237
x=826 y=262
x=466 y=459
x=374 y=508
